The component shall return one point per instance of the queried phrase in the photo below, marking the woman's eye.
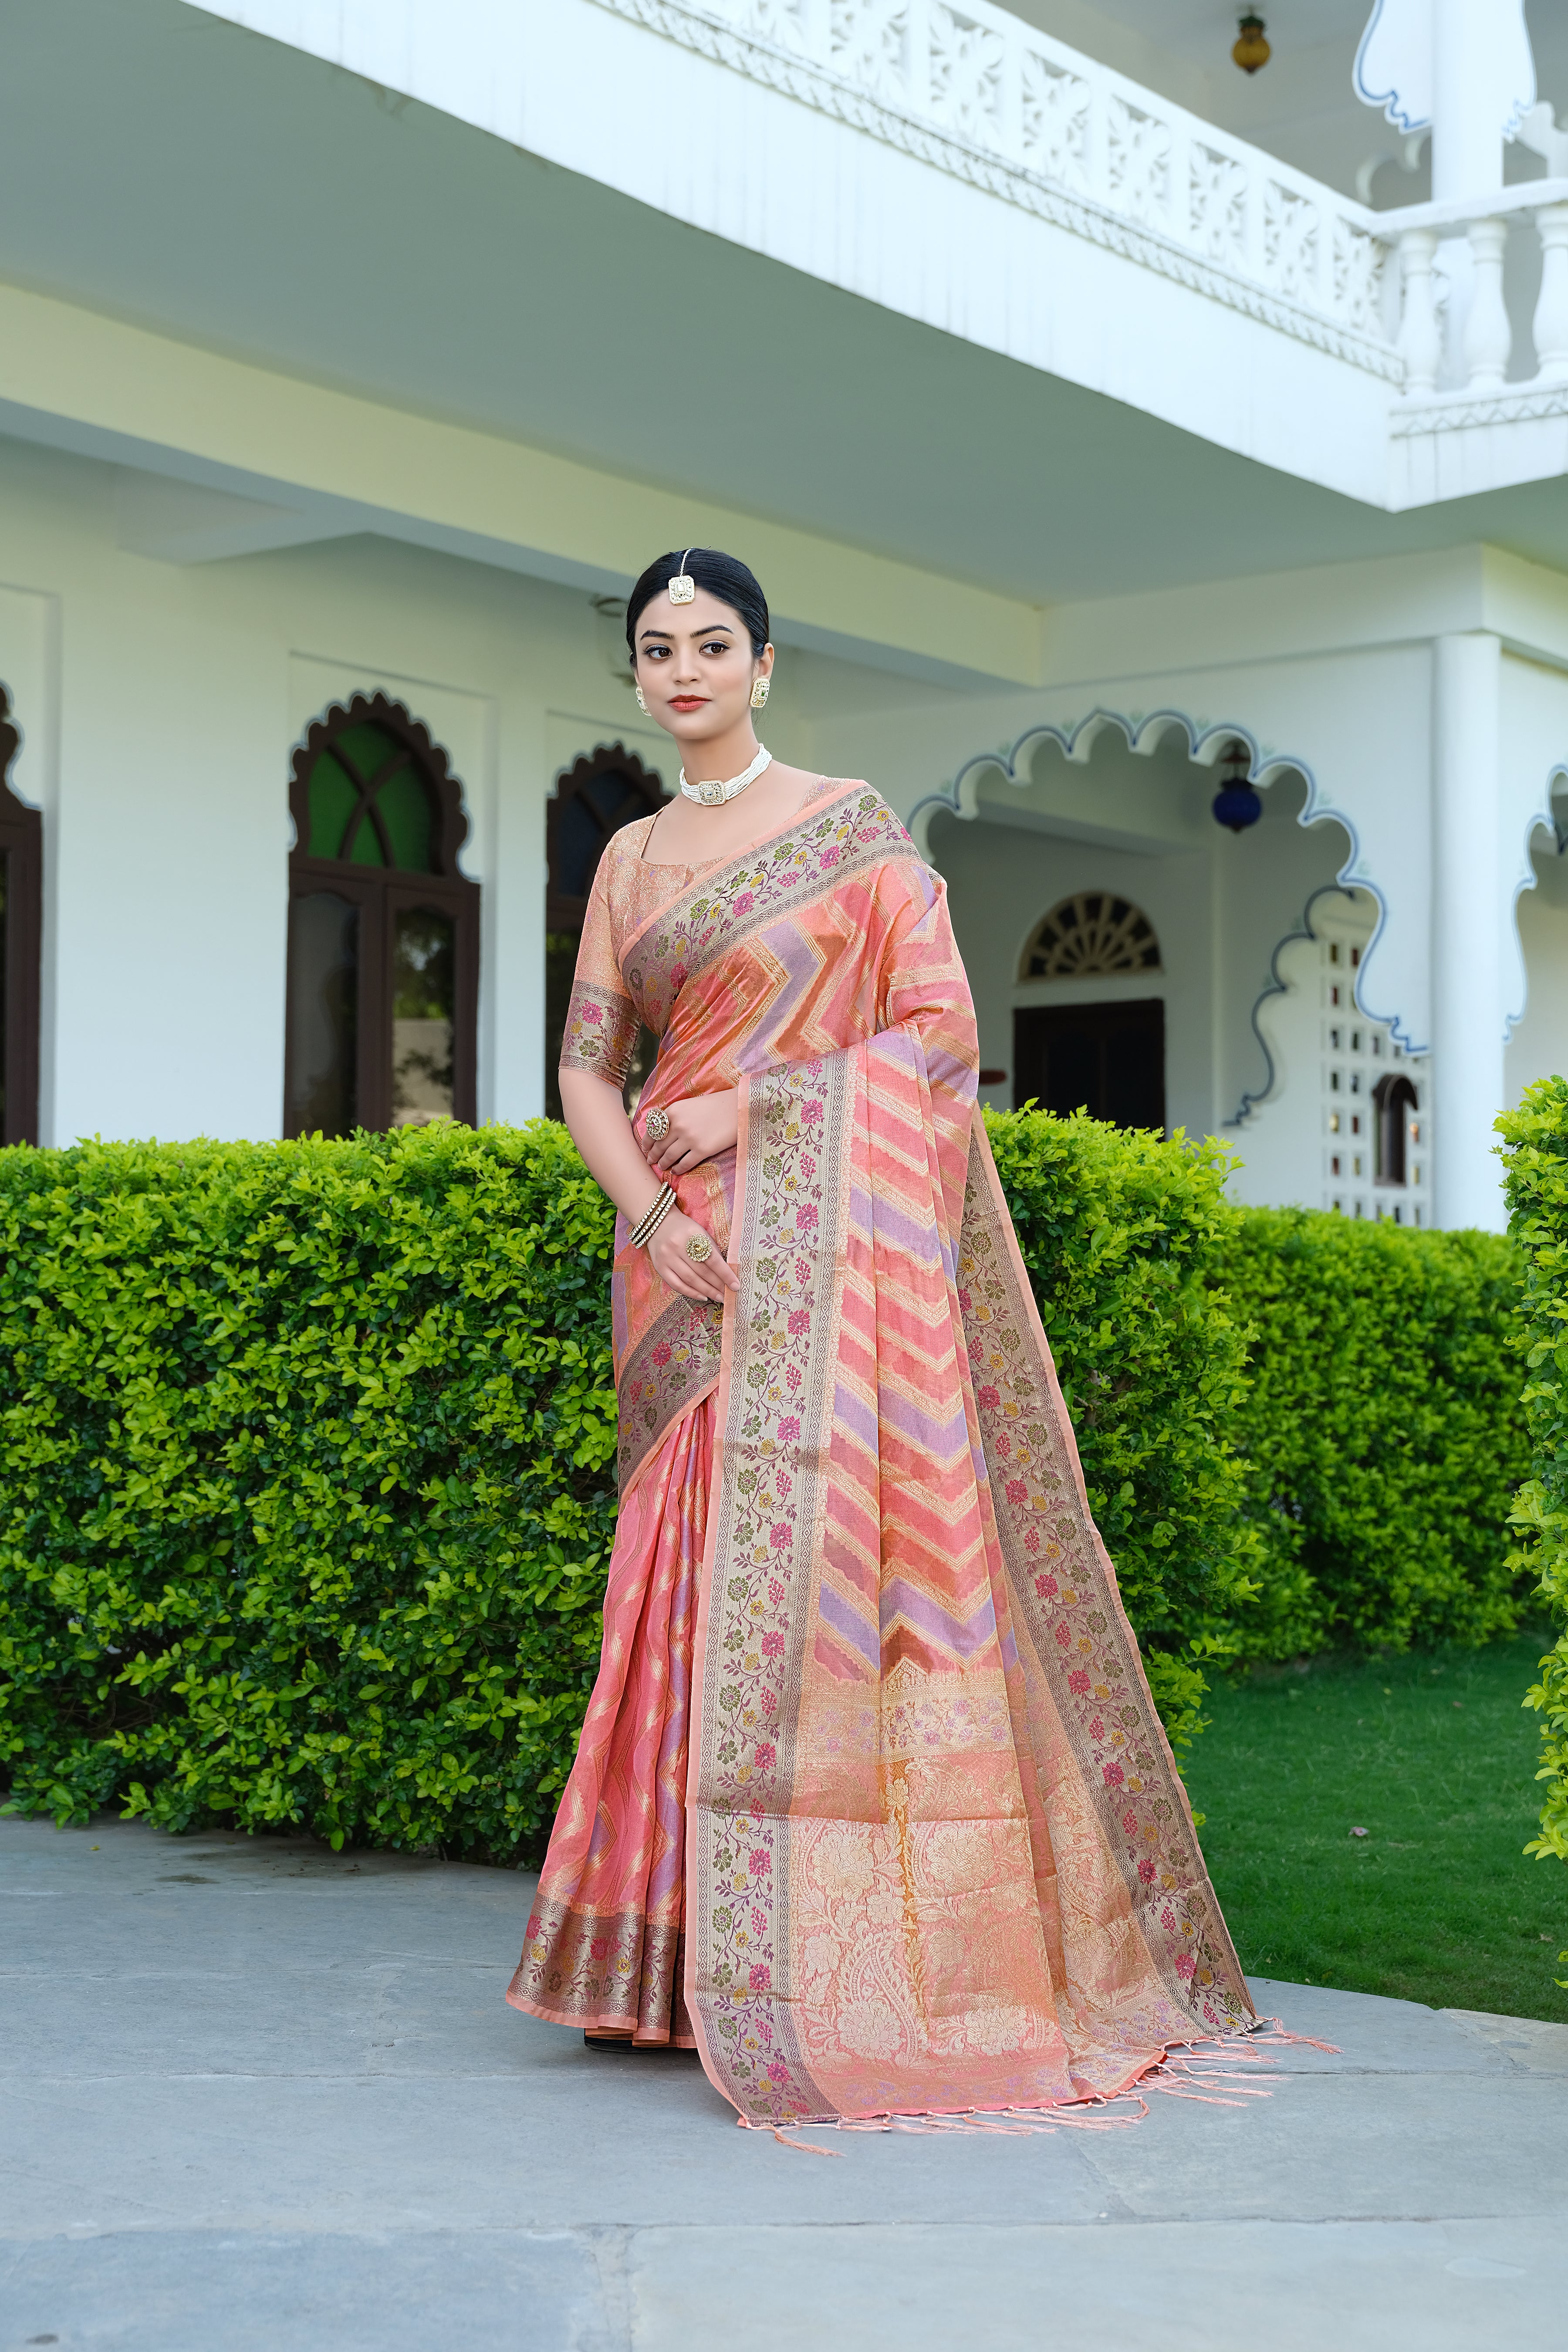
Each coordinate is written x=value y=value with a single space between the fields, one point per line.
x=718 y=647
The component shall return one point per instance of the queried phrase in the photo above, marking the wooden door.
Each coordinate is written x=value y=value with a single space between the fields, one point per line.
x=1107 y=1059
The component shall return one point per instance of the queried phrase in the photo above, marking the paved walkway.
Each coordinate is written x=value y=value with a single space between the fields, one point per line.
x=261 y=2098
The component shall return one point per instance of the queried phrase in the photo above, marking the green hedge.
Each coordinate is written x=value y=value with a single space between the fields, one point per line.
x=306 y=1455
x=307 y=1461
x=1536 y=1135
x=307 y=1451
x=1382 y=1432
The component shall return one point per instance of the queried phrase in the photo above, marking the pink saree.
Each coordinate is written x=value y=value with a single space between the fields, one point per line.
x=871 y=1803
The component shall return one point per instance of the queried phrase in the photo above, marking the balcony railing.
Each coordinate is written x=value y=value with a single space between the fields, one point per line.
x=1467 y=271
x=977 y=93
x=981 y=94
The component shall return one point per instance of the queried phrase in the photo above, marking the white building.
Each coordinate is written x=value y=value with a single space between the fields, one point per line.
x=1107 y=426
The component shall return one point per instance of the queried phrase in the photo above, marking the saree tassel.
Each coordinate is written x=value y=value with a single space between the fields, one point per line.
x=801 y=2146
x=1272 y=2033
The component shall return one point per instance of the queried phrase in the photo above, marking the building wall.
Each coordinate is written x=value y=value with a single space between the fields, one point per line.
x=160 y=704
x=1539 y=1046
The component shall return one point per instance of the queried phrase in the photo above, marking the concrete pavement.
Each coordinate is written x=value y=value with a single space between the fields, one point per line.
x=257 y=2097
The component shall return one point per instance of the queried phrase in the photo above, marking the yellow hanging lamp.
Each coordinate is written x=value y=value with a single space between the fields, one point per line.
x=1251 y=49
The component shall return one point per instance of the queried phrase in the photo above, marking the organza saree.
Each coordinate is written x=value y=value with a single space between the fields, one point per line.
x=872 y=1805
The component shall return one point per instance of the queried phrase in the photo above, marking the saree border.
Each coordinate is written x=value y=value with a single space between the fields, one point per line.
x=820 y=802
x=709 y=917
x=611 y=1970
x=772 y=1438
x=675 y=1364
x=1064 y=1603
x=601 y=1033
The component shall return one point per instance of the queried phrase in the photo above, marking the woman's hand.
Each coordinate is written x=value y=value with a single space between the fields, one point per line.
x=700 y=1277
x=699 y=1129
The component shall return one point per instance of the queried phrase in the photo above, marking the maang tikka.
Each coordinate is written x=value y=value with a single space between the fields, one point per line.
x=682 y=587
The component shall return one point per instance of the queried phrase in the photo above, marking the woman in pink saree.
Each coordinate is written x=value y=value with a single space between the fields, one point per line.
x=872 y=1806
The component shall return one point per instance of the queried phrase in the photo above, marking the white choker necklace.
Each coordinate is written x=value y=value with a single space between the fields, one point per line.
x=715 y=794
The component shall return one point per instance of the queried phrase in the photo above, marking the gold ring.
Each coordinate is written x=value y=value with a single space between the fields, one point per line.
x=698 y=1248
x=658 y=1126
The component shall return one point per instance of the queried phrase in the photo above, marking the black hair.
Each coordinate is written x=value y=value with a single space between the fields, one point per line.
x=723 y=576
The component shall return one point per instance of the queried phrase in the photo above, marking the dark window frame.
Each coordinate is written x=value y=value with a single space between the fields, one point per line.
x=564 y=912
x=1397 y=1102
x=22 y=850
x=568 y=913
x=381 y=893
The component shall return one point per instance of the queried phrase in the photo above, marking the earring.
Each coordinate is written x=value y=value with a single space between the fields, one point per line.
x=760 y=695
x=641 y=704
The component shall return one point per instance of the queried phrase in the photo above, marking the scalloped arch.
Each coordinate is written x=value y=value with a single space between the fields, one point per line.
x=1206 y=741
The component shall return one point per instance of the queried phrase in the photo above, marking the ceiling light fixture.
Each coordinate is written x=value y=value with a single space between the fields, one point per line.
x=1251 y=50
x=1235 y=806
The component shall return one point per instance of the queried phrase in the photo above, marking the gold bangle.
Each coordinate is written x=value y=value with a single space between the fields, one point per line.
x=653 y=1217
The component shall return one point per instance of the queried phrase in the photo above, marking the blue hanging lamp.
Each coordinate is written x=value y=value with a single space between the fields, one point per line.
x=1236 y=804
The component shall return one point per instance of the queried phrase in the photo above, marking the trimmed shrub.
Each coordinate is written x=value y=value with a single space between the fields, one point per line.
x=1536 y=1135
x=307 y=1455
x=1383 y=1436
x=308 y=1449
x=306 y=1460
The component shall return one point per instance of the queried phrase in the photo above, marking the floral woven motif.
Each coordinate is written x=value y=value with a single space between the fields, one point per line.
x=601 y=1033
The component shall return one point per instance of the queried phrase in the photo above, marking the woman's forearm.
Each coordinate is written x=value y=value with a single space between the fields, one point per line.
x=602 y=1134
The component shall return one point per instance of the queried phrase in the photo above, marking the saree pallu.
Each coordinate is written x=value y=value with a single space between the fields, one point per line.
x=936 y=1856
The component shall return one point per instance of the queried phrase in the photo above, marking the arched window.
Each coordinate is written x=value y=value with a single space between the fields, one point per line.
x=21 y=946
x=1088 y=936
x=1394 y=1102
x=384 y=931
x=605 y=790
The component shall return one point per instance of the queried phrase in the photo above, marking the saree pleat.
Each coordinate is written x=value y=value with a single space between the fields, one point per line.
x=937 y=1855
x=606 y=1946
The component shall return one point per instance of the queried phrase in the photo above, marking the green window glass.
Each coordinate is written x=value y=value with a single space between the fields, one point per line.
x=369 y=803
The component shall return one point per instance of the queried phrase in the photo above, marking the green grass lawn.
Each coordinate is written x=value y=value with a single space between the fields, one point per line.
x=1434 y=1758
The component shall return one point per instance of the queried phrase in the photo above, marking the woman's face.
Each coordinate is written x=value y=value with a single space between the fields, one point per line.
x=696 y=667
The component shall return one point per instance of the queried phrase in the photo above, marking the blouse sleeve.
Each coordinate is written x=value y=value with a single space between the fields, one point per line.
x=602 y=1025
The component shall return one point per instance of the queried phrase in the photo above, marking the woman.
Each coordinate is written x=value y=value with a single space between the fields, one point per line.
x=871 y=1804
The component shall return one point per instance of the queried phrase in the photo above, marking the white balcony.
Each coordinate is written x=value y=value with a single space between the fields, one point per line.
x=956 y=165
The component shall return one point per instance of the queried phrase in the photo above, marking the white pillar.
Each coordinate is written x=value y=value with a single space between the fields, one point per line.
x=1468 y=1017
x=1552 y=309
x=1466 y=114
x=1420 y=338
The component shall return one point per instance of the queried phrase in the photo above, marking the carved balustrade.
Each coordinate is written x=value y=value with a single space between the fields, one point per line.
x=1459 y=331
x=972 y=90
x=978 y=94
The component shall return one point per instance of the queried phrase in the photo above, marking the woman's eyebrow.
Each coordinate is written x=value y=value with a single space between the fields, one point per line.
x=654 y=633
